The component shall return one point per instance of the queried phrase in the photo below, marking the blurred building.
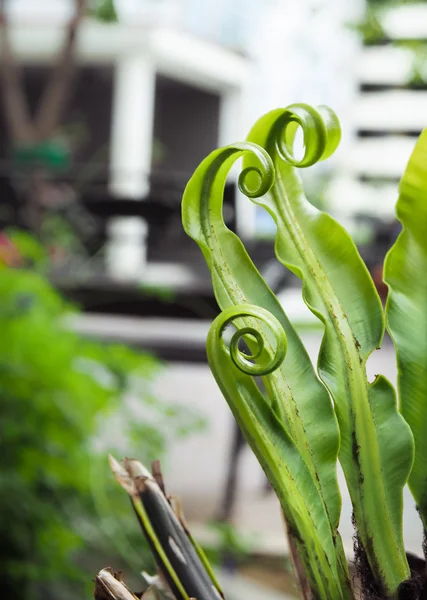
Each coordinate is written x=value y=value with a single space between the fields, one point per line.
x=388 y=113
x=159 y=74
x=173 y=79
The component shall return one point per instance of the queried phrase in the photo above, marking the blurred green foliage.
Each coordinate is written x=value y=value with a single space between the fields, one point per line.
x=418 y=51
x=105 y=10
x=230 y=547
x=65 y=402
x=370 y=28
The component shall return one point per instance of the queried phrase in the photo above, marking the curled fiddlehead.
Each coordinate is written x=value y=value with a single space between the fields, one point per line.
x=203 y=196
x=321 y=131
x=376 y=444
x=256 y=363
x=297 y=402
x=278 y=454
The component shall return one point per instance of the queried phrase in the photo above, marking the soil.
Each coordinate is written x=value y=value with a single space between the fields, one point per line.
x=414 y=588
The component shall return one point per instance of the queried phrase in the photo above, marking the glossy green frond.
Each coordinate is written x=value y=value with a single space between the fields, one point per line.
x=296 y=396
x=405 y=274
x=276 y=451
x=376 y=444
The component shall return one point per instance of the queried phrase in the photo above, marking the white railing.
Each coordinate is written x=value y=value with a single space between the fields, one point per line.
x=386 y=112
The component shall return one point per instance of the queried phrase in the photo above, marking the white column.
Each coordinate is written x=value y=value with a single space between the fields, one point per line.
x=130 y=162
x=132 y=126
x=231 y=129
x=230 y=116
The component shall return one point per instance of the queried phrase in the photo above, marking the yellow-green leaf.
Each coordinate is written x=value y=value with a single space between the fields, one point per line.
x=297 y=398
x=405 y=274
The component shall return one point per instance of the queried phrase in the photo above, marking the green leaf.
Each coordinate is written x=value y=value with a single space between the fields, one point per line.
x=338 y=289
x=105 y=11
x=298 y=400
x=272 y=445
x=404 y=273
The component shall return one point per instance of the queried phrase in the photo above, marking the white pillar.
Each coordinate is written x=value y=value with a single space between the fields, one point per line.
x=132 y=126
x=231 y=129
x=230 y=116
x=130 y=160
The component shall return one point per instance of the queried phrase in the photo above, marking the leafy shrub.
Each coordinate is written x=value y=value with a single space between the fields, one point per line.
x=65 y=402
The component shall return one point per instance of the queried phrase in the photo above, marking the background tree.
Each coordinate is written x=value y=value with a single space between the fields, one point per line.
x=33 y=137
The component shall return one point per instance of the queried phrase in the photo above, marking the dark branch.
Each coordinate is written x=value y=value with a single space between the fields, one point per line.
x=57 y=91
x=15 y=103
